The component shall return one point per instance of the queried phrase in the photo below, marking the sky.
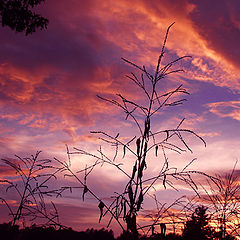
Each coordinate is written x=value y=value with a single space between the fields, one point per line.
x=49 y=82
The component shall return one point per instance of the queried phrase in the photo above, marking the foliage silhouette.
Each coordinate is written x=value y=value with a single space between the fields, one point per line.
x=127 y=204
x=173 y=236
x=19 y=15
x=10 y=232
x=197 y=227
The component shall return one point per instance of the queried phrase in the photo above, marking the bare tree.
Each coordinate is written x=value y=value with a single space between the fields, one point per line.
x=223 y=201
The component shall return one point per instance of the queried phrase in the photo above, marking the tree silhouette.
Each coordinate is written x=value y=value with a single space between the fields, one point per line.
x=197 y=227
x=19 y=15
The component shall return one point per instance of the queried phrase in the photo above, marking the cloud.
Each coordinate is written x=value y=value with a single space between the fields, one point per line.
x=226 y=109
x=49 y=82
x=217 y=25
x=56 y=74
x=6 y=171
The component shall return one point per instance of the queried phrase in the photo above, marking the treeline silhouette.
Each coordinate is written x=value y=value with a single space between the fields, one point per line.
x=196 y=228
x=9 y=232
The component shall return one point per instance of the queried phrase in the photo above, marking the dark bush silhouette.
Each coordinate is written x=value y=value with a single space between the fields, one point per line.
x=170 y=236
x=196 y=228
x=19 y=15
x=10 y=232
x=173 y=236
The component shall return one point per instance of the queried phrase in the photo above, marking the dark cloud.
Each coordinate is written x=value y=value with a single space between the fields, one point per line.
x=214 y=21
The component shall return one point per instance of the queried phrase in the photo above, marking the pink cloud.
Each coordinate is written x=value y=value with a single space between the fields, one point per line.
x=57 y=73
x=49 y=81
x=226 y=109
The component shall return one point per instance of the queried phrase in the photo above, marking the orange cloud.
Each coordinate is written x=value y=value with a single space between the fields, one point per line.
x=59 y=80
x=49 y=81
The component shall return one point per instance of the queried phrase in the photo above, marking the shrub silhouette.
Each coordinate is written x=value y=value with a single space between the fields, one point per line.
x=10 y=232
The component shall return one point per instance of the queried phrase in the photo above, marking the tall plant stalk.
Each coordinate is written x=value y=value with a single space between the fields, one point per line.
x=127 y=204
x=31 y=187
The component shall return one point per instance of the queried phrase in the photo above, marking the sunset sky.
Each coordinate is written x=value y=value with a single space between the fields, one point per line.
x=49 y=82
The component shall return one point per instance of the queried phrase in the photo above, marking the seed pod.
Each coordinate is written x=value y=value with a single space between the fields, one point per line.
x=124 y=150
x=140 y=200
x=101 y=206
x=143 y=163
x=156 y=150
x=147 y=127
x=85 y=190
x=144 y=155
x=164 y=181
x=124 y=209
x=138 y=142
x=145 y=150
x=130 y=195
x=134 y=171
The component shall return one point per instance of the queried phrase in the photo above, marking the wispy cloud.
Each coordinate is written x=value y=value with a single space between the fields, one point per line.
x=229 y=109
